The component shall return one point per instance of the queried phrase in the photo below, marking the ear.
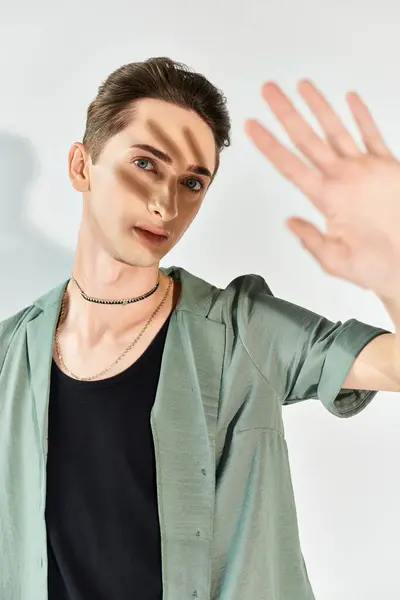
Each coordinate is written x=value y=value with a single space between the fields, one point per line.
x=78 y=167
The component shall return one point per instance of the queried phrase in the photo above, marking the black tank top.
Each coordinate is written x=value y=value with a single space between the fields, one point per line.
x=101 y=509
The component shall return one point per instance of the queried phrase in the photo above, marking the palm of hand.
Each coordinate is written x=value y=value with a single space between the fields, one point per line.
x=357 y=192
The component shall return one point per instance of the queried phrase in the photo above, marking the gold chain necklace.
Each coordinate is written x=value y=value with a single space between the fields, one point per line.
x=92 y=377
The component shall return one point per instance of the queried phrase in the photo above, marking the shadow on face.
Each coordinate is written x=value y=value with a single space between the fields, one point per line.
x=155 y=173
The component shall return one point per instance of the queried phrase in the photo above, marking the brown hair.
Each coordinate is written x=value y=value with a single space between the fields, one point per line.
x=160 y=78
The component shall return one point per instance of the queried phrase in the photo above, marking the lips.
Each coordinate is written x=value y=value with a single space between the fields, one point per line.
x=154 y=230
x=149 y=237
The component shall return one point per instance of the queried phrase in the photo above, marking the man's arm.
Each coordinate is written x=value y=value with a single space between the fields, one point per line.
x=377 y=367
x=356 y=189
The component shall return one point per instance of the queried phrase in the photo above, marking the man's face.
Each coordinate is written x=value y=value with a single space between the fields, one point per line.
x=160 y=185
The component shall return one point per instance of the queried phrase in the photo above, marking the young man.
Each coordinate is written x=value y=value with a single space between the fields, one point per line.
x=142 y=448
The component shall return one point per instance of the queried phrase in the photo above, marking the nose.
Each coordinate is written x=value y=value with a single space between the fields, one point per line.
x=164 y=202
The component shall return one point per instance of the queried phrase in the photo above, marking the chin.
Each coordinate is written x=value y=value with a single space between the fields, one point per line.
x=134 y=254
x=138 y=257
x=145 y=262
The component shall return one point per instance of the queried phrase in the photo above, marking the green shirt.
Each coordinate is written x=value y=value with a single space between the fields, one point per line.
x=233 y=357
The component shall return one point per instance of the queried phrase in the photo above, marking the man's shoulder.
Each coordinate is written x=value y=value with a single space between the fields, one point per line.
x=11 y=323
x=221 y=303
x=8 y=329
x=16 y=323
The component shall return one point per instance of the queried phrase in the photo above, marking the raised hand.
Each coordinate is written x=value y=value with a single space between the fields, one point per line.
x=356 y=189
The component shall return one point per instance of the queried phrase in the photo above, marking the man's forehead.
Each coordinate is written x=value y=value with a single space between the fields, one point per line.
x=166 y=126
x=171 y=119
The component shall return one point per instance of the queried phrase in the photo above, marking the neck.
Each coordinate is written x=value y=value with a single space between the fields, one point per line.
x=103 y=277
x=114 y=282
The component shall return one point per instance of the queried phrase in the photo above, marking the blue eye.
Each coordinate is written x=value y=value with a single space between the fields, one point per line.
x=196 y=182
x=191 y=183
x=145 y=161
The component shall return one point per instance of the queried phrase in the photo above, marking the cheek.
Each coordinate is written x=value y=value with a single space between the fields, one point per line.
x=110 y=198
x=187 y=213
x=132 y=184
x=192 y=209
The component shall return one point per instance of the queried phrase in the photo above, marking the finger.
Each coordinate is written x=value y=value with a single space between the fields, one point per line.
x=372 y=137
x=300 y=132
x=194 y=147
x=309 y=236
x=308 y=180
x=329 y=253
x=336 y=133
x=168 y=143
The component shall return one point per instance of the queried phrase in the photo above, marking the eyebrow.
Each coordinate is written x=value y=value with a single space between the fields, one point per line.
x=168 y=160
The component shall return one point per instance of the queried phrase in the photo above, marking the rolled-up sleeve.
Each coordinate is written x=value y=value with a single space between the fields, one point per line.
x=302 y=354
